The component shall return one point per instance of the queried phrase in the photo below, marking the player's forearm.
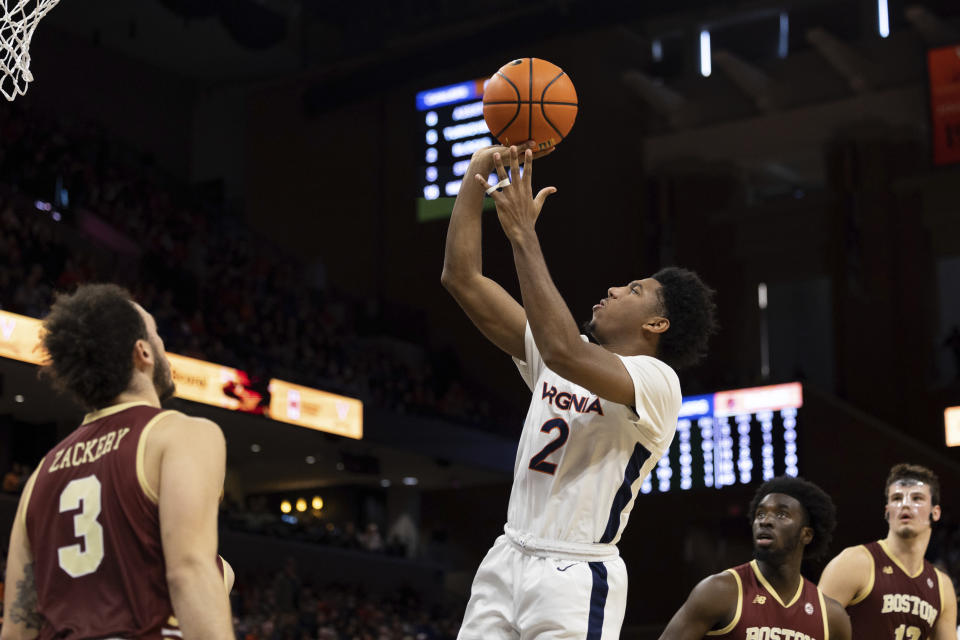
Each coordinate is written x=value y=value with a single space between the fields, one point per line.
x=200 y=602
x=462 y=256
x=553 y=326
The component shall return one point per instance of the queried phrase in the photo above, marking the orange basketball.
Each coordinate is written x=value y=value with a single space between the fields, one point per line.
x=530 y=99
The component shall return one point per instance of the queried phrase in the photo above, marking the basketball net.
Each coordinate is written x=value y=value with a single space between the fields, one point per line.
x=17 y=24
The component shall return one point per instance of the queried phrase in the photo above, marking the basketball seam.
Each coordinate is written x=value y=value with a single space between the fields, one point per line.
x=569 y=104
x=530 y=109
x=543 y=109
x=510 y=122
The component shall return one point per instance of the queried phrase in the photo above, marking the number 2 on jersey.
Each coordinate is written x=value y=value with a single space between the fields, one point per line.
x=912 y=633
x=539 y=461
x=72 y=560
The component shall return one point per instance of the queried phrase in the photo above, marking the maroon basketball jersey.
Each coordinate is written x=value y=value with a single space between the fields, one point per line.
x=94 y=529
x=896 y=605
x=762 y=615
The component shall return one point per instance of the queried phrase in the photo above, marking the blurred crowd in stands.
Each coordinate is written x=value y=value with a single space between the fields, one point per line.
x=256 y=518
x=285 y=606
x=77 y=206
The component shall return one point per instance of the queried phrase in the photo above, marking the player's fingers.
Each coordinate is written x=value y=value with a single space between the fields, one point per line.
x=498 y=165
x=515 y=165
x=487 y=187
x=528 y=169
x=542 y=196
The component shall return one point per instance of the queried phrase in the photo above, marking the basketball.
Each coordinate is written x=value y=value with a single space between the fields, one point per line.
x=530 y=99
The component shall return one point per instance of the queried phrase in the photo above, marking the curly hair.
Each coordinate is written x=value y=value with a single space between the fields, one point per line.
x=818 y=507
x=89 y=337
x=904 y=471
x=688 y=305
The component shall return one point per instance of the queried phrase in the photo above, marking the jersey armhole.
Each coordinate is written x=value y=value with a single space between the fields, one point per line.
x=736 y=616
x=148 y=491
x=940 y=578
x=857 y=599
x=21 y=513
x=823 y=610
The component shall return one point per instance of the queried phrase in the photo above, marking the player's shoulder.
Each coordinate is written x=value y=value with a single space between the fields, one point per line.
x=174 y=424
x=948 y=593
x=725 y=586
x=652 y=371
x=854 y=556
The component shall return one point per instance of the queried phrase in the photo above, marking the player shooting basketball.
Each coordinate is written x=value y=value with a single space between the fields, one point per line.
x=767 y=597
x=889 y=590
x=117 y=527
x=600 y=417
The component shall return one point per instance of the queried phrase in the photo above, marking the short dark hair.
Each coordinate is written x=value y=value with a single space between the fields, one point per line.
x=688 y=305
x=820 y=511
x=89 y=337
x=904 y=471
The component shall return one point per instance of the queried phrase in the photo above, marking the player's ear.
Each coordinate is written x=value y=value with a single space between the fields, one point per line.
x=935 y=514
x=806 y=535
x=656 y=324
x=142 y=354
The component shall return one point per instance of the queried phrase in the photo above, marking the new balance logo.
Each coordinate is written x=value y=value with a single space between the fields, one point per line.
x=888 y=570
x=760 y=600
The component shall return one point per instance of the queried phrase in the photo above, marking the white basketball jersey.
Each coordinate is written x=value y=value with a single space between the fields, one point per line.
x=582 y=458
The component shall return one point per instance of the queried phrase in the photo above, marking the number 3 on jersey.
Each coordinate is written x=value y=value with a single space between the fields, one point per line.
x=72 y=560
x=539 y=461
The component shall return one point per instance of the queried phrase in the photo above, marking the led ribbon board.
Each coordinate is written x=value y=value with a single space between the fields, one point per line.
x=217 y=385
x=944 y=70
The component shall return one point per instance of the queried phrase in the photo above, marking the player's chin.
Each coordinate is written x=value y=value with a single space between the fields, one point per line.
x=770 y=552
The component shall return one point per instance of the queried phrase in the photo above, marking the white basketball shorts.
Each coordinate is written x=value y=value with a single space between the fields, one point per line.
x=519 y=593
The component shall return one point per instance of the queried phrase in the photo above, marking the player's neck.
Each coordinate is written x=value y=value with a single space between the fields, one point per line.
x=139 y=391
x=785 y=578
x=628 y=347
x=909 y=551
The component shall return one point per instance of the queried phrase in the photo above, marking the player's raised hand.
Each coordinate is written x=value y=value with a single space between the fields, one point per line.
x=517 y=208
x=482 y=159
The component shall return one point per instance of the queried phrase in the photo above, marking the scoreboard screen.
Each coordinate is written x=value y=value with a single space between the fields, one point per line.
x=731 y=437
x=451 y=128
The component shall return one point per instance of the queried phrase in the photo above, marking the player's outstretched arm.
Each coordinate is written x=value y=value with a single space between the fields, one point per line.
x=838 y=621
x=712 y=605
x=491 y=309
x=192 y=464
x=21 y=619
x=848 y=575
x=553 y=327
x=946 y=626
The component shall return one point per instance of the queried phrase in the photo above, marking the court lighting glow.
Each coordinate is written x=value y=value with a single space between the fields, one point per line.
x=883 y=18
x=783 y=46
x=706 y=63
x=301 y=505
x=656 y=50
x=317 y=503
x=285 y=506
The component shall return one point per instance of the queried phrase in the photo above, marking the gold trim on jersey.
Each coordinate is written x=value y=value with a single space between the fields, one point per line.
x=736 y=616
x=941 y=576
x=896 y=560
x=771 y=590
x=148 y=491
x=823 y=610
x=109 y=411
x=873 y=576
